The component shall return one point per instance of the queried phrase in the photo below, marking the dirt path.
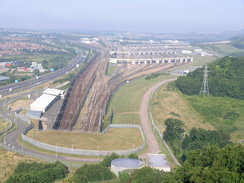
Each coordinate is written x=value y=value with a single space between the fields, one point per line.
x=153 y=146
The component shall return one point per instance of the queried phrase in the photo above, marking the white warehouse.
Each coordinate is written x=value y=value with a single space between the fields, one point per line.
x=43 y=102
x=49 y=96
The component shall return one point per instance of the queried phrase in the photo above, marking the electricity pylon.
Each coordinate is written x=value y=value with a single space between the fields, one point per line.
x=204 y=89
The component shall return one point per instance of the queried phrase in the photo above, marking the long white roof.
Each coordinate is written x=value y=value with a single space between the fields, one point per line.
x=43 y=101
x=53 y=91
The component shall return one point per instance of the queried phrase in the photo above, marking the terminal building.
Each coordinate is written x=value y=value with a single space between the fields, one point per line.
x=149 y=54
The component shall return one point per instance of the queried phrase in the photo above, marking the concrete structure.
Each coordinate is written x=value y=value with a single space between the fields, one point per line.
x=149 y=54
x=43 y=102
x=158 y=161
x=150 y=60
x=120 y=164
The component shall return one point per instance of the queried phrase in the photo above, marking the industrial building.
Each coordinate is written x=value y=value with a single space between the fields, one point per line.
x=120 y=164
x=149 y=54
x=53 y=91
x=158 y=161
x=45 y=101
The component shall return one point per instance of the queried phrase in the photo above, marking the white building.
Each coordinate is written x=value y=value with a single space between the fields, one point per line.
x=53 y=91
x=43 y=102
x=186 y=52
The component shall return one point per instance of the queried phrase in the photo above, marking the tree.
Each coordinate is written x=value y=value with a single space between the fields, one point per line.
x=107 y=159
x=174 y=129
x=144 y=175
x=199 y=138
x=133 y=155
x=92 y=173
x=36 y=72
x=213 y=164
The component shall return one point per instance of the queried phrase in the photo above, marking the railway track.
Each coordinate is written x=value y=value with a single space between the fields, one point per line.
x=87 y=98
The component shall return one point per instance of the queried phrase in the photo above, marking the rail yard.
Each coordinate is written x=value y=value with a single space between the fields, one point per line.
x=87 y=98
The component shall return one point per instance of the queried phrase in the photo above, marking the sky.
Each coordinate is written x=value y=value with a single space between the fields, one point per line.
x=154 y=16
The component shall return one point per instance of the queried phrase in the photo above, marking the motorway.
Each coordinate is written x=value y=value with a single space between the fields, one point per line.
x=16 y=87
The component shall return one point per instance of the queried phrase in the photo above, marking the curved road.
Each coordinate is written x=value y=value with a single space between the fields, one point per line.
x=153 y=146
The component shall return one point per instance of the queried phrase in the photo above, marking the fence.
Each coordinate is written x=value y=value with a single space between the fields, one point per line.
x=38 y=156
x=80 y=151
x=160 y=134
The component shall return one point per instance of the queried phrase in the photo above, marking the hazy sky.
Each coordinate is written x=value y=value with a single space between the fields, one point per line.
x=208 y=16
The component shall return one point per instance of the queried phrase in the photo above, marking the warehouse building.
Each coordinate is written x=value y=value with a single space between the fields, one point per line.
x=120 y=164
x=43 y=102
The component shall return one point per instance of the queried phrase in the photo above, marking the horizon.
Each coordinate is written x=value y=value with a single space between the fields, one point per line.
x=128 y=16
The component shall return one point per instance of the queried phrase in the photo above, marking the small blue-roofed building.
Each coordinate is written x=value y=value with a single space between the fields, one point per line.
x=120 y=164
x=33 y=114
x=158 y=161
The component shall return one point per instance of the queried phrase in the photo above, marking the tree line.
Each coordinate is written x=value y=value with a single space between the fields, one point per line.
x=225 y=79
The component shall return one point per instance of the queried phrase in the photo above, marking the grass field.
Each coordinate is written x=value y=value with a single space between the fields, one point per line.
x=223 y=113
x=199 y=60
x=128 y=98
x=114 y=139
x=31 y=58
x=219 y=113
x=168 y=103
x=126 y=118
x=111 y=69
x=3 y=125
x=226 y=48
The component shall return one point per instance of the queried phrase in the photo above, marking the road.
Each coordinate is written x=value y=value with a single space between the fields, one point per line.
x=153 y=146
x=11 y=141
x=16 y=87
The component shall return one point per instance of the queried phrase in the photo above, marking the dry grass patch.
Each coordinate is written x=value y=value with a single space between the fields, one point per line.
x=114 y=139
x=9 y=161
x=171 y=104
x=3 y=125
x=21 y=104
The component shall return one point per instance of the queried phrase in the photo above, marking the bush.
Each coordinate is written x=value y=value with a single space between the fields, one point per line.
x=38 y=172
x=91 y=173
x=107 y=159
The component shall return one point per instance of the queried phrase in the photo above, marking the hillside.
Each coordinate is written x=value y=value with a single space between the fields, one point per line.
x=238 y=42
x=226 y=79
